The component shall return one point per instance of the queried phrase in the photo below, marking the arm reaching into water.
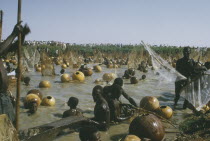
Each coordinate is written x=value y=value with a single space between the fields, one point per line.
x=116 y=106
x=130 y=99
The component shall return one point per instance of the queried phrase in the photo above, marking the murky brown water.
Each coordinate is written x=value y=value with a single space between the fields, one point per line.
x=62 y=91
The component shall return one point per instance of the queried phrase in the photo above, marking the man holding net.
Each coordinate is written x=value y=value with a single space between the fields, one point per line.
x=6 y=106
x=190 y=69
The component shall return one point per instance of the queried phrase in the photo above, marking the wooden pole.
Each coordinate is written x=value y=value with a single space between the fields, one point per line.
x=1 y=21
x=19 y=70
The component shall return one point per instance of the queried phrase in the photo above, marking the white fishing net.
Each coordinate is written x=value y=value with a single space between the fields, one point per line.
x=47 y=65
x=197 y=92
x=134 y=59
x=162 y=67
x=30 y=57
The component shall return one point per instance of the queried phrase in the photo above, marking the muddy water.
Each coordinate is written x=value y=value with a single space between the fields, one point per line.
x=164 y=91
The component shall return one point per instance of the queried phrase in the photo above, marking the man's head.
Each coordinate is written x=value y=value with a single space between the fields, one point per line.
x=7 y=64
x=26 y=80
x=89 y=134
x=32 y=106
x=186 y=52
x=118 y=81
x=131 y=71
x=97 y=92
x=62 y=71
x=73 y=102
x=207 y=65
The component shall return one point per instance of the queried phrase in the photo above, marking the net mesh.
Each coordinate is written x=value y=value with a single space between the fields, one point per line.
x=47 y=66
x=162 y=67
x=31 y=57
x=197 y=92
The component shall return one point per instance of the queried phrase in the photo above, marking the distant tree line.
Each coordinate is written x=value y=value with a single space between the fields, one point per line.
x=90 y=49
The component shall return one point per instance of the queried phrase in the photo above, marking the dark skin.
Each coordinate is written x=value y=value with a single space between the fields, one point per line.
x=89 y=134
x=9 y=69
x=83 y=67
x=115 y=91
x=101 y=109
x=73 y=111
x=142 y=66
x=188 y=68
x=62 y=71
x=32 y=107
x=26 y=81
x=129 y=73
x=112 y=94
x=207 y=65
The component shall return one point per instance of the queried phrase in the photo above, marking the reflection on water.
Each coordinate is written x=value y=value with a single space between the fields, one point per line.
x=62 y=91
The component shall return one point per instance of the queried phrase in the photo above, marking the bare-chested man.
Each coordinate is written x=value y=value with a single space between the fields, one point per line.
x=112 y=94
x=101 y=110
x=73 y=111
x=187 y=67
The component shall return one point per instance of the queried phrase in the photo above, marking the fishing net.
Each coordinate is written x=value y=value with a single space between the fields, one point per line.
x=134 y=59
x=73 y=57
x=162 y=67
x=47 y=66
x=197 y=92
x=30 y=57
x=98 y=57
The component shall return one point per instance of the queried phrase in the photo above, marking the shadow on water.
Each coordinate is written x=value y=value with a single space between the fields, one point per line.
x=117 y=137
x=88 y=112
x=166 y=99
x=168 y=94
x=127 y=83
x=59 y=115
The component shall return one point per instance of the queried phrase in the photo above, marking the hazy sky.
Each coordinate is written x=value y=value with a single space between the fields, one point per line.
x=169 y=22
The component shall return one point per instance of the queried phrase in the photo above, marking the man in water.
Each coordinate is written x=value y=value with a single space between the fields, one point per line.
x=101 y=109
x=83 y=67
x=89 y=134
x=27 y=80
x=129 y=73
x=112 y=94
x=207 y=65
x=73 y=111
x=188 y=68
x=6 y=106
